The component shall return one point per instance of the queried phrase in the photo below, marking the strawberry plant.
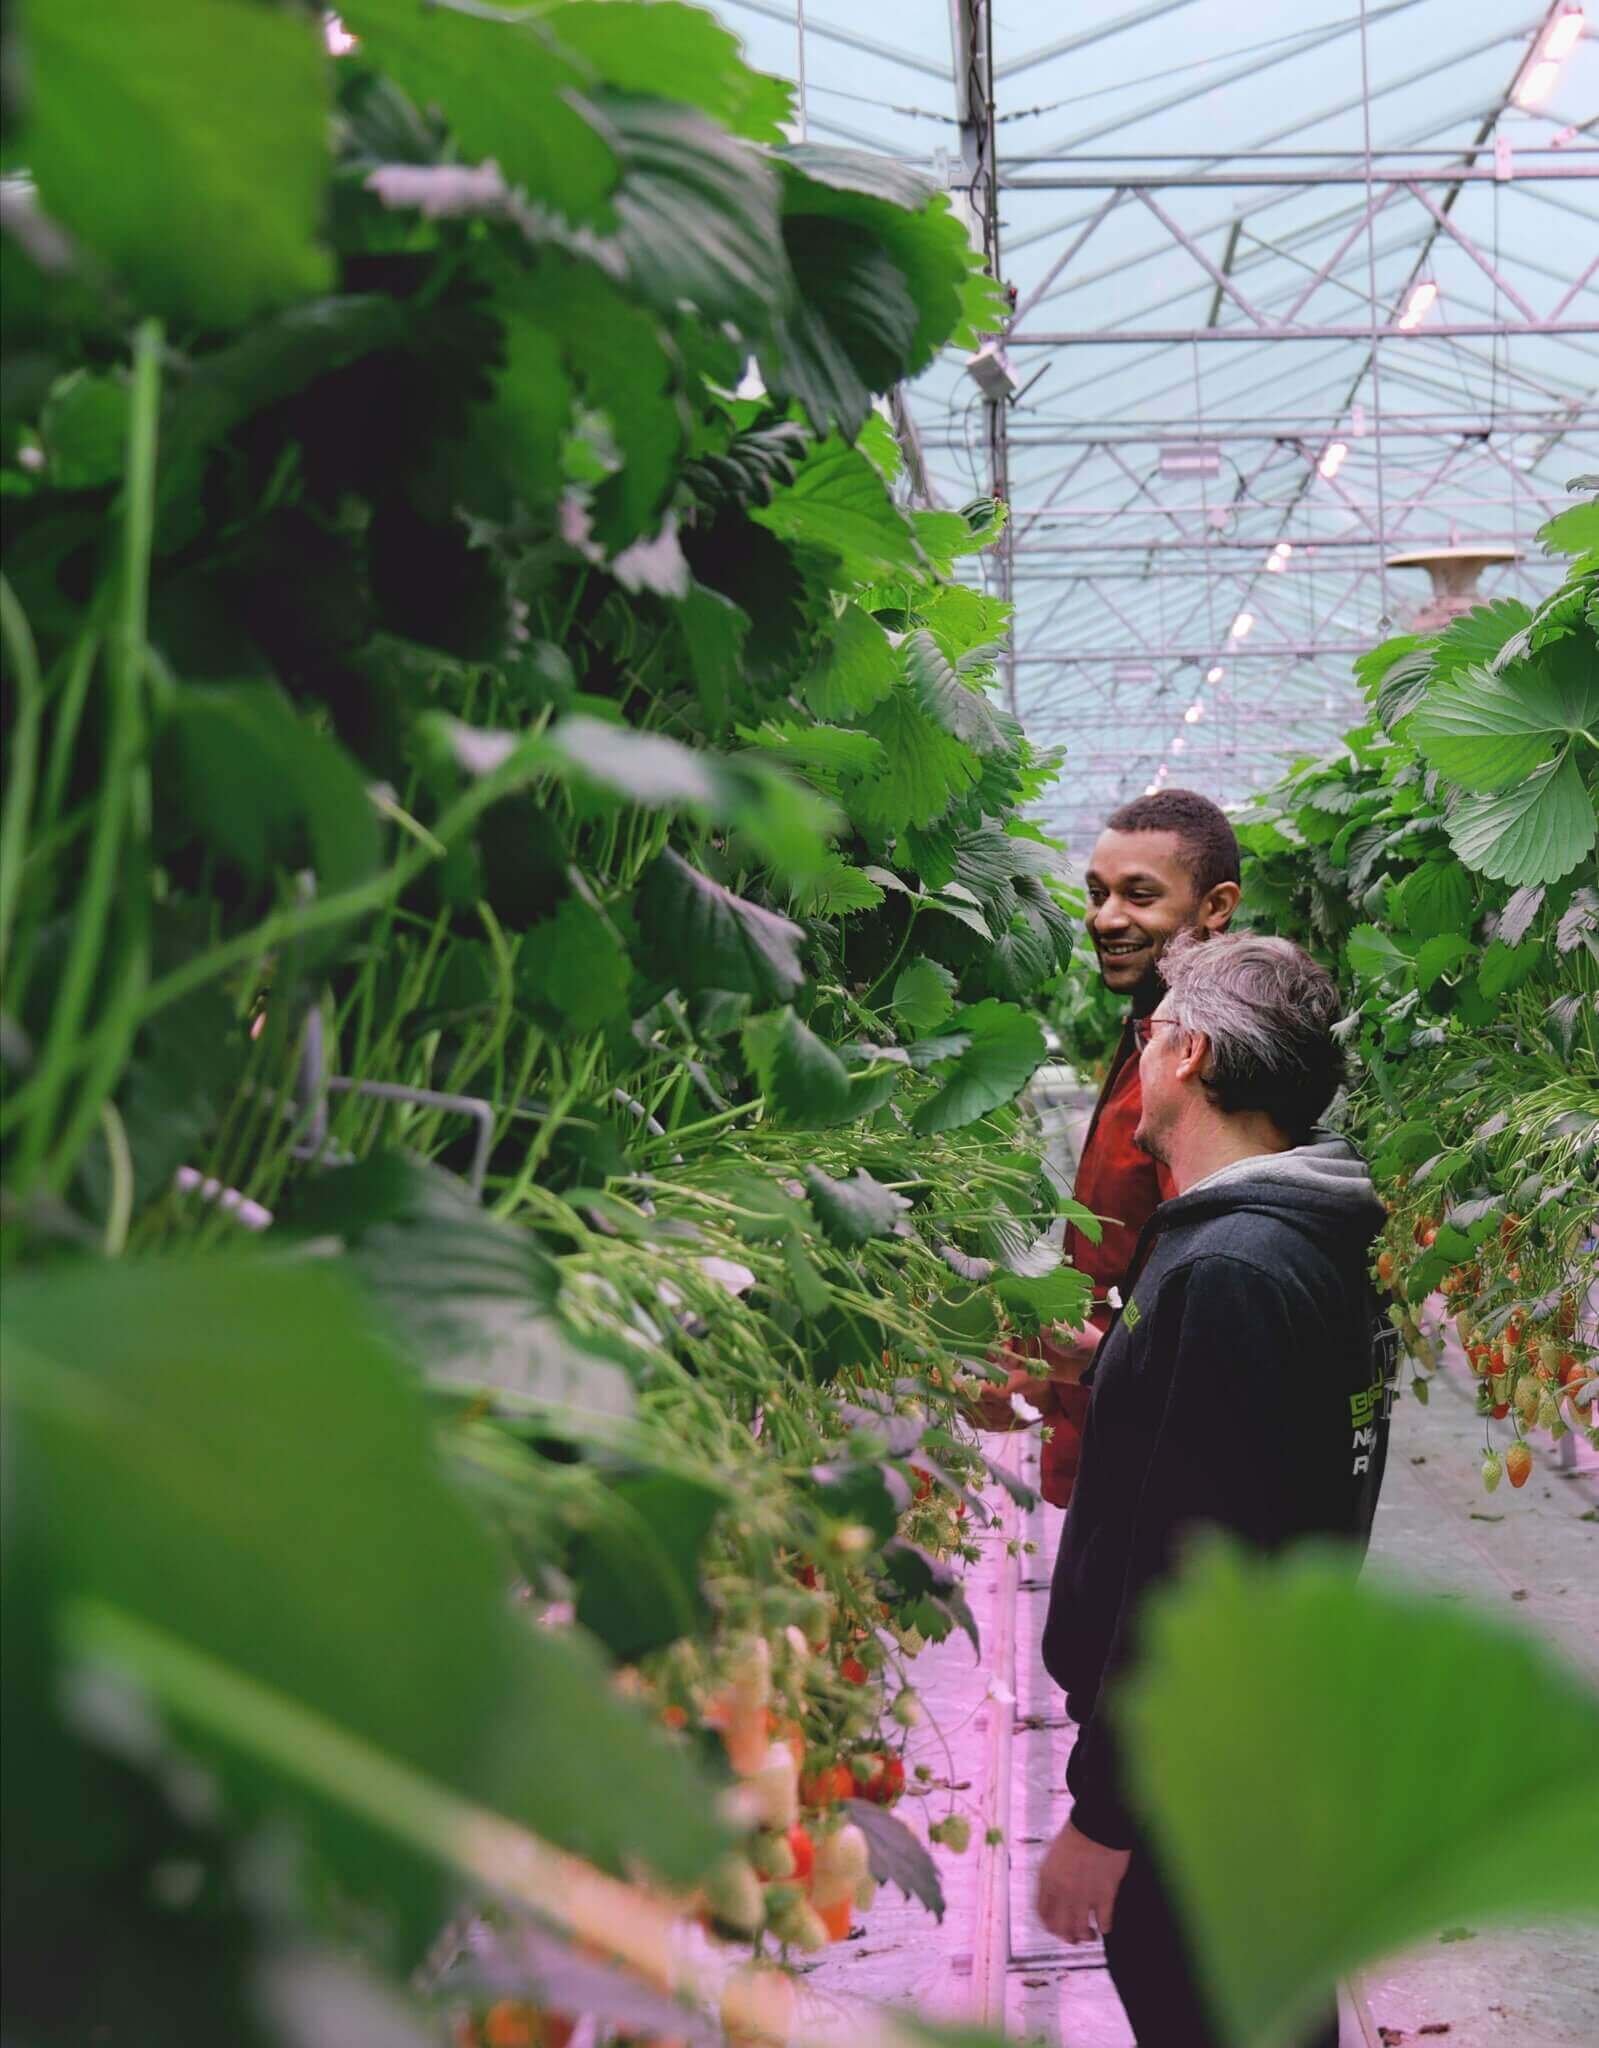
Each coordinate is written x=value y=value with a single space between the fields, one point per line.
x=517 y=903
x=1444 y=862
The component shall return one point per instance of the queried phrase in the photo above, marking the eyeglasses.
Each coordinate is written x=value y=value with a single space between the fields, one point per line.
x=1144 y=1029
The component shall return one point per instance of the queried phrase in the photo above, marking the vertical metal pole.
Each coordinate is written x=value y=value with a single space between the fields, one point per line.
x=1376 y=346
x=973 y=24
x=799 y=35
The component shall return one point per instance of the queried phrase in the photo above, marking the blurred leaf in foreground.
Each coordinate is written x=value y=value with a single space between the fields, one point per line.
x=1314 y=1815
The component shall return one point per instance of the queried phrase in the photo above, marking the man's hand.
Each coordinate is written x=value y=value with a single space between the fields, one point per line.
x=990 y=1407
x=1077 y=1885
x=1069 y=1353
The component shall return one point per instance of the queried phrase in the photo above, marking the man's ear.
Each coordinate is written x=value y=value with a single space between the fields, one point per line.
x=1216 y=909
x=1191 y=1060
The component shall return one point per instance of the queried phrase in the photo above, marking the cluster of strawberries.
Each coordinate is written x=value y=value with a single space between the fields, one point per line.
x=1527 y=1359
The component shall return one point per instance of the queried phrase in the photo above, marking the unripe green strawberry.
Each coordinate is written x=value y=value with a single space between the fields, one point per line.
x=1492 y=1471
x=1528 y=1396
x=1500 y=1381
x=907 y=1709
x=1548 y=1349
x=954 y=1832
x=772 y=1855
x=797 y=1922
x=1548 y=1412
x=734 y=1896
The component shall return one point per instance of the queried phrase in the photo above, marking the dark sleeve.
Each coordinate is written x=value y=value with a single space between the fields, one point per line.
x=1218 y=1460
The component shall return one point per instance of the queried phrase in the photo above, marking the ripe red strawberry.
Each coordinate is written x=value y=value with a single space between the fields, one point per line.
x=803 y=1850
x=1385 y=1268
x=881 y=1779
x=1518 y=1463
x=1499 y=1410
x=853 y=1671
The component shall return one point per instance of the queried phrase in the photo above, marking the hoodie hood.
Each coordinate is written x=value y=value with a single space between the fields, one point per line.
x=1320 y=1186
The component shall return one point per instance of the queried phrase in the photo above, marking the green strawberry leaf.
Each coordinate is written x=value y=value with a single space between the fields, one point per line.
x=856 y=669
x=959 y=709
x=924 y=768
x=1438 y=955
x=694 y=935
x=1363 y=1847
x=1488 y=731
x=1005 y=1048
x=215 y=213
x=636 y=1565
x=838 y=505
x=804 y=1081
x=851 y=1211
x=506 y=93
x=1436 y=898
x=924 y=996
x=674 y=52
x=896 y=1856
x=838 y=889
x=1373 y=955
x=1534 y=832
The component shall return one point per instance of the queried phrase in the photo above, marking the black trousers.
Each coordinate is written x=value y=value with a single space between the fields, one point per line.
x=1149 y=1966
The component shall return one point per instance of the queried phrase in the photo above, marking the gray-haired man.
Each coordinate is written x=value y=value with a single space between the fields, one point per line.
x=1243 y=1386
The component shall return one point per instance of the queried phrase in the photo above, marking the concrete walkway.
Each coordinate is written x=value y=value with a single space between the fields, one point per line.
x=996 y=1745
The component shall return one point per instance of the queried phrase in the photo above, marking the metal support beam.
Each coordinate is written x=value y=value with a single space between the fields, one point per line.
x=1076 y=656
x=1440 y=330
x=1259 y=545
x=1575 y=164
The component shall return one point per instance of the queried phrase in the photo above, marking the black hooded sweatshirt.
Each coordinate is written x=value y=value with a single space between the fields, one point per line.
x=1245 y=1385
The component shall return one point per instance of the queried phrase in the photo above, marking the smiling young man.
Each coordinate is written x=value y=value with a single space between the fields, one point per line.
x=1243 y=1386
x=1163 y=864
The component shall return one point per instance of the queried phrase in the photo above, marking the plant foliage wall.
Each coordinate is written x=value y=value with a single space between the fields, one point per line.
x=520 y=937
x=1444 y=860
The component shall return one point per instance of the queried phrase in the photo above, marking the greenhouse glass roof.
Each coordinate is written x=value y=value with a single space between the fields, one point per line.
x=1297 y=293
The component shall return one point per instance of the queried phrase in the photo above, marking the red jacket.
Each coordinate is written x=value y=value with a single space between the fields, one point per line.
x=1125 y=1187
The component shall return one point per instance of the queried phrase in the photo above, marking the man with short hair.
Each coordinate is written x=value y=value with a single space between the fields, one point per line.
x=1244 y=1386
x=1163 y=864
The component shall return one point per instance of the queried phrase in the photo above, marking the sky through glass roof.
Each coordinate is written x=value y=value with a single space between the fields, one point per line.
x=1221 y=432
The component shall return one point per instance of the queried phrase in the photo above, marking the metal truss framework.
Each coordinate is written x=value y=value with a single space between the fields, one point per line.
x=1225 y=280
x=1259 y=324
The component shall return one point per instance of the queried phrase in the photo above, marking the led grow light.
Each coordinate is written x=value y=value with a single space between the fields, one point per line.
x=1213 y=675
x=1537 y=83
x=1565 y=35
x=1194 y=713
x=1243 y=626
x=1197 y=458
x=1418 y=305
x=1332 y=460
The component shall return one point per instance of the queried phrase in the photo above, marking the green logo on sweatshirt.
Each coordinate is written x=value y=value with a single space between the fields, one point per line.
x=1132 y=1315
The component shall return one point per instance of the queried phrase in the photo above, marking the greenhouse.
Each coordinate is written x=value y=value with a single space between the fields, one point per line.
x=799 y=1024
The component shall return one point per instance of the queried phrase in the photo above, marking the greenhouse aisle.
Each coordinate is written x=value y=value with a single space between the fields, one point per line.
x=996 y=1740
